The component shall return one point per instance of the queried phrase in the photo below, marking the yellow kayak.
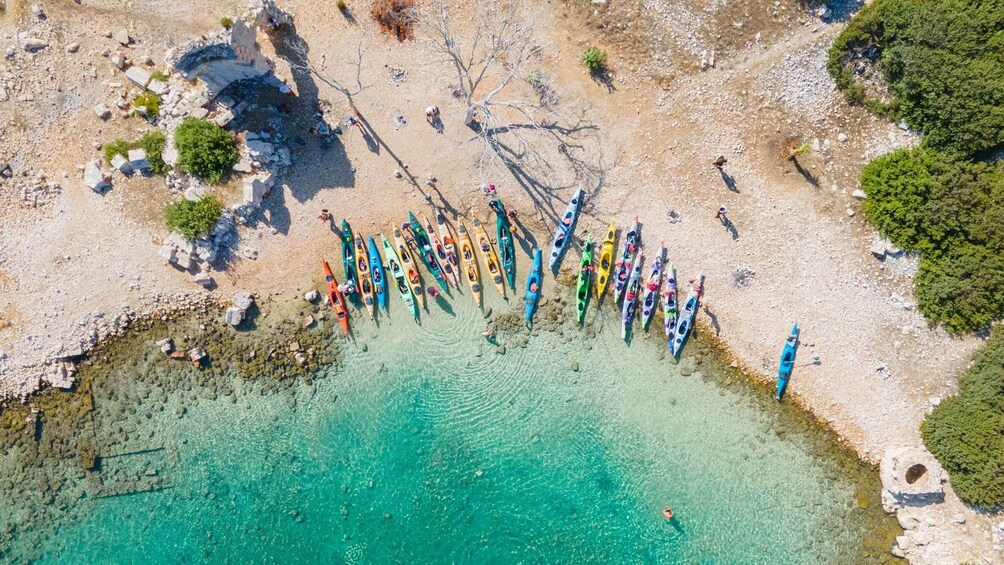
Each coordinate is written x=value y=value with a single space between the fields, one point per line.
x=408 y=264
x=488 y=254
x=470 y=260
x=606 y=260
x=363 y=271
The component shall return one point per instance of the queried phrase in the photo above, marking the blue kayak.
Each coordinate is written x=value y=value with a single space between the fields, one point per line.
x=376 y=271
x=787 y=361
x=533 y=286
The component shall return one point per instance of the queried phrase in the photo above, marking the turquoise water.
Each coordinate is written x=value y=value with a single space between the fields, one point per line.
x=431 y=446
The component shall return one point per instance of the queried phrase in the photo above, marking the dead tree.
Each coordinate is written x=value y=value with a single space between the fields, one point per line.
x=509 y=105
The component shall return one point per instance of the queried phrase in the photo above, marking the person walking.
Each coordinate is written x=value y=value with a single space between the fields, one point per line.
x=324 y=216
x=721 y=215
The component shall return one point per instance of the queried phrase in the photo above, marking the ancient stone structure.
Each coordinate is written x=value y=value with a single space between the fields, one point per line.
x=231 y=55
x=911 y=476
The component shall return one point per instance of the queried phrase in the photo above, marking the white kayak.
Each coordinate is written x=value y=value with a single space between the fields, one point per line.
x=564 y=230
x=686 y=320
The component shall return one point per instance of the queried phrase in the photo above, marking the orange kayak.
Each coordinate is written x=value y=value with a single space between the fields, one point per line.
x=336 y=298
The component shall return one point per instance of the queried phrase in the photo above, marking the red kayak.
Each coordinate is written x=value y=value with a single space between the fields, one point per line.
x=336 y=298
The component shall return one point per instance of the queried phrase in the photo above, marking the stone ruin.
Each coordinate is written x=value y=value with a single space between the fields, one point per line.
x=222 y=59
x=911 y=476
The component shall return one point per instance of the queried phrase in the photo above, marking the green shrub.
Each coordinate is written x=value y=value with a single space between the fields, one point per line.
x=205 y=149
x=966 y=432
x=194 y=218
x=943 y=64
x=952 y=211
x=594 y=60
x=154 y=142
x=158 y=74
x=117 y=147
x=226 y=22
x=150 y=101
x=341 y=5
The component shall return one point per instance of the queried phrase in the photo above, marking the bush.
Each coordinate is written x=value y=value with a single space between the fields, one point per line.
x=396 y=17
x=942 y=62
x=594 y=60
x=952 y=211
x=150 y=101
x=154 y=142
x=205 y=149
x=341 y=5
x=194 y=218
x=966 y=432
x=227 y=23
x=117 y=147
x=158 y=74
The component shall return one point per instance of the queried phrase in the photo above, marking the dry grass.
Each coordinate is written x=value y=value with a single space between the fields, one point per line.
x=396 y=17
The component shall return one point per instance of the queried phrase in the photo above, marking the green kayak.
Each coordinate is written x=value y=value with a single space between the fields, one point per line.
x=349 y=259
x=585 y=277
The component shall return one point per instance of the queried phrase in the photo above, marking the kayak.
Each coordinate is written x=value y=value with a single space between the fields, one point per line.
x=376 y=272
x=631 y=296
x=533 y=282
x=426 y=252
x=409 y=266
x=686 y=320
x=585 y=275
x=348 y=255
x=651 y=296
x=564 y=229
x=396 y=271
x=669 y=303
x=507 y=250
x=787 y=361
x=444 y=260
x=624 y=263
x=606 y=260
x=363 y=270
x=470 y=260
x=488 y=254
x=335 y=298
x=450 y=247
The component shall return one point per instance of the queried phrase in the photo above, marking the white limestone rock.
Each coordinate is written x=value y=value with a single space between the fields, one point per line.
x=138 y=160
x=102 y=112
x=138 y=75
x=94 y=177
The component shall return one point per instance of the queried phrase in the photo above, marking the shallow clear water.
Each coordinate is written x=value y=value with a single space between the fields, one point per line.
x=432 y=447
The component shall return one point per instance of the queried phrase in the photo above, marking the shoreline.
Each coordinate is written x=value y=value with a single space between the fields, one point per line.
x=281 y=316
x=882 y=368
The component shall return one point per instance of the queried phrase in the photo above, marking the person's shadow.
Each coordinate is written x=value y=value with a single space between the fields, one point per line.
x=730 y=182
x=437 y=123
x=731 y=227
x=714 y=320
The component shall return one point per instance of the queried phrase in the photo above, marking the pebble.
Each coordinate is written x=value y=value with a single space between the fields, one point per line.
x=841 y=137
x=959 y=518
x=122 y=36
x=73 y=47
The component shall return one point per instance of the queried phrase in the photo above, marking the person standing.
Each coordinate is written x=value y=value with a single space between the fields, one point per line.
x=720 y=162
x=721 y=215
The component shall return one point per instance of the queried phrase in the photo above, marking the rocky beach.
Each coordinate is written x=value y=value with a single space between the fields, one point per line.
x=85 y=258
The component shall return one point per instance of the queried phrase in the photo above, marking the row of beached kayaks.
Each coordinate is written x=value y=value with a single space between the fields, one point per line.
x=633 y=290
x=448 y=259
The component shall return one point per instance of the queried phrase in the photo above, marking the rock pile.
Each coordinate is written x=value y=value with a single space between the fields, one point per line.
x=238 y=312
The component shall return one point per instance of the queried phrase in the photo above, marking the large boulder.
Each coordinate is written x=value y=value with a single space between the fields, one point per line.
x=94 y=178
x=911 y=476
